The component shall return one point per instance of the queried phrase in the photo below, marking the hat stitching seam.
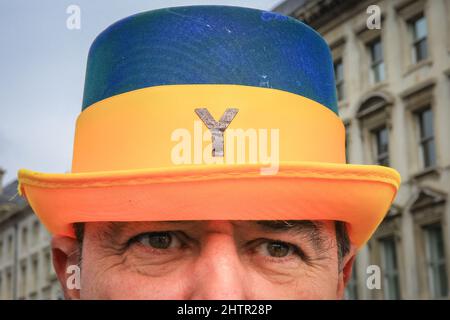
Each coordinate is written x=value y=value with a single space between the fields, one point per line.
x=187 y=178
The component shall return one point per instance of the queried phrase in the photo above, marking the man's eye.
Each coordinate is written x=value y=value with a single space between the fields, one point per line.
x=277 y=249
x=158 y=240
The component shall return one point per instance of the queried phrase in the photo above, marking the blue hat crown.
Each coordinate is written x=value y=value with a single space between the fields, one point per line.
x=210 y=45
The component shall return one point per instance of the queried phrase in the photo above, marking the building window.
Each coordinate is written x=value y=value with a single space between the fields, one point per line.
x=24 y=238
x=437 y=275
x=426 y=137
x=339 y=74
x=351 y=291
x=390 y=269
x=36 y=230
x=23 y=280
x=9 y=284
x=377 y=64
x=10 y=246
x=34 y=273
x=381 y=144
x=419 y=32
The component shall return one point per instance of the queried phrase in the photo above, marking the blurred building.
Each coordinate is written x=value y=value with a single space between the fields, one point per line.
x=26 y=270
x=394 y=90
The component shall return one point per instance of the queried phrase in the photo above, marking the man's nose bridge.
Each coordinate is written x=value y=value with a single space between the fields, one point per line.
x=220 y=255
x=219 y=270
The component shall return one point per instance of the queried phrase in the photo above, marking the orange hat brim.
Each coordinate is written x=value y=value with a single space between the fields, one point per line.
x=359 y=195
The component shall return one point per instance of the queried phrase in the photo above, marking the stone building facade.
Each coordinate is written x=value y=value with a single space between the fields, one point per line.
x=26 y=270
x=393 y=84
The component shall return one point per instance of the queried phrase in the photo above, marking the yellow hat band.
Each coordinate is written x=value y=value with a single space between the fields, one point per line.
x=159 y=127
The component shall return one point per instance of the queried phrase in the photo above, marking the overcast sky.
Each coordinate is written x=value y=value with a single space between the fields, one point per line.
x=42 y=67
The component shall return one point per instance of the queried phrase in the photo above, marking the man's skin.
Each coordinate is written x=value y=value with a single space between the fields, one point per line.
x=205 y=260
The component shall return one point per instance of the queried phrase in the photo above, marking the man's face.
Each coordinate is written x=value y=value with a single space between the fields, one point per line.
x=206 y=260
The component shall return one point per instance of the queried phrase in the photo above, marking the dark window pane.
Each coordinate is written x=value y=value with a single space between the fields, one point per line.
x=340 y=91
x=427 y=143
x=419 y=38
x=427 y=119
x=378 y=72
x=339 y=74
x=376 y=55
x=376 y=51
x=383 y=140
x=436 y=261
x=421 y=50
x=338 y=70
x=391 y=258
x=382 y=146
x=394 y=291
x=390 y=270
x=430 y=153
x=443 y=288
x=420 y=28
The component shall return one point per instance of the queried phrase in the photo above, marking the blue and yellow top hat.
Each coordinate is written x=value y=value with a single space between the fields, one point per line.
x=210 y=113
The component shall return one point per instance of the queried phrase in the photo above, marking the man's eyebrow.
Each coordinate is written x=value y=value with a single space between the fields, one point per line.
x=113 y=230
x=301 y=226
x=283 y=225
x=311 y=230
